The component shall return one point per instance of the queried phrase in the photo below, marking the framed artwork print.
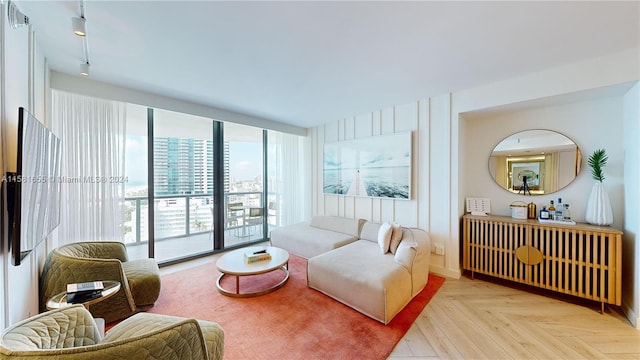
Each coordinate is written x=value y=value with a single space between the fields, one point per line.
x=528 y=172
x=376 y=166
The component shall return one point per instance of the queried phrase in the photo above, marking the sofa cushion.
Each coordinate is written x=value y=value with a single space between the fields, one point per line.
x=396 y=237
x=308 y=241
x=370 y=231
x=359 y=276
x=339 y=224
x=406 y=253
x=384 y=237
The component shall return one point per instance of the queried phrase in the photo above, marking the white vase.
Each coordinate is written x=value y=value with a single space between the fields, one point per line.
x=599 y=211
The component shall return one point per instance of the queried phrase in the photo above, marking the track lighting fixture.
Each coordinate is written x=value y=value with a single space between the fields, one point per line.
x=79 y=26
x=16 y=17
x=84 y=69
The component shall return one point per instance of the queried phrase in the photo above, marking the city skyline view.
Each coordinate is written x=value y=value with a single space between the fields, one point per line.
x=244 y=163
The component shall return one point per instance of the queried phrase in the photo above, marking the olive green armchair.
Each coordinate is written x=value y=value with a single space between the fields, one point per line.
x=98 y=261
x=71 y=333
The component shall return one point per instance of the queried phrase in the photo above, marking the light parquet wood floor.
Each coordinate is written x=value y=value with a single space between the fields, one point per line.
x=485 y=319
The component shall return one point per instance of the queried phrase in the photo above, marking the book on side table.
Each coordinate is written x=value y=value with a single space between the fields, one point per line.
x=82 y=292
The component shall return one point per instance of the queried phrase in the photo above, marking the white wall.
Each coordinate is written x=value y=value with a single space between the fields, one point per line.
x=19 y=280
x=630 y=247
x=3 y=213
x=24 y=83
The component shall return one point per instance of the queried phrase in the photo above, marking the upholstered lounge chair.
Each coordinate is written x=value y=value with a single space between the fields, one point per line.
x=70 y=333
x=102 y=260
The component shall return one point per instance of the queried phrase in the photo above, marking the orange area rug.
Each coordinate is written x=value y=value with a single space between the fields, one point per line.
x=293 y=322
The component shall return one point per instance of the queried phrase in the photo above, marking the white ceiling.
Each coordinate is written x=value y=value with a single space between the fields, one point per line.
x=307 y=63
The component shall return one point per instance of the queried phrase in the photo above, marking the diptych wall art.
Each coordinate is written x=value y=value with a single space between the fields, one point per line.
x=377 y=166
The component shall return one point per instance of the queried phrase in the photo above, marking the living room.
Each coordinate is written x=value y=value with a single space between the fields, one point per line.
x=592 y=98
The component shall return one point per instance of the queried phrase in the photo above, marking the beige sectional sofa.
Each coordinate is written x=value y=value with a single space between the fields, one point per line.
x=357 y=272
x=321 y=234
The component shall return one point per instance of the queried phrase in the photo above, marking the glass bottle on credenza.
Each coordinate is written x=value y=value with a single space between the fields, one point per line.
x=544 y=213
x=559 y=209
x=552 y=211
x=566 y=214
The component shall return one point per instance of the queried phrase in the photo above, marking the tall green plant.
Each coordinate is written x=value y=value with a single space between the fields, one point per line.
x=597 y=161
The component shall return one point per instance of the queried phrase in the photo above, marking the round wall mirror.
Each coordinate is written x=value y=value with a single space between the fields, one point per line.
x=535 y=162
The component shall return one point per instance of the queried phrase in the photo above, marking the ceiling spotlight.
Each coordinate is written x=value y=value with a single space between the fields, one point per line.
x=79 y=26
x=84 y=69
x=16 y=18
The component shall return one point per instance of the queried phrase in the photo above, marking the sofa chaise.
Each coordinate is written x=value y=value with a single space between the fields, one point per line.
x=360 y=272
x=321 y=234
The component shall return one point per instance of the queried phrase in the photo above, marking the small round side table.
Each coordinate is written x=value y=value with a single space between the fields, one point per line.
x=60 y=300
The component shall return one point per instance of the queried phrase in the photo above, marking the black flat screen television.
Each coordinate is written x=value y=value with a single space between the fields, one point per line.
x=33 y=191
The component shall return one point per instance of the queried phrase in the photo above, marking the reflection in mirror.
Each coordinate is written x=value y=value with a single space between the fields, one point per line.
x=535 y=162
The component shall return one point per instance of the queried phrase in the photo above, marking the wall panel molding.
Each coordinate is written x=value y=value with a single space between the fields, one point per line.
x=362 y=126
x=417 y=118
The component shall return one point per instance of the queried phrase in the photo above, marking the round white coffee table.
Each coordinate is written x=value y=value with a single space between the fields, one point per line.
x=234 y=263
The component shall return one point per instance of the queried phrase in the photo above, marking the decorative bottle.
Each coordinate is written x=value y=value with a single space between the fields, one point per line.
x=559 y=208
x=544 y=213
x=566 y=214
x=531 y=213
x=552 y=211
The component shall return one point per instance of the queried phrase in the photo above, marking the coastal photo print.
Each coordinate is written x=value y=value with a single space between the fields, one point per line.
x=377 y=166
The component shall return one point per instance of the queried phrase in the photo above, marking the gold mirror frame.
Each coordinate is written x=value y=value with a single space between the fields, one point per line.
x=535 y=162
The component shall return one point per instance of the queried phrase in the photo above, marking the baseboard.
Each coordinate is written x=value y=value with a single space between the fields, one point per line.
x=442 y=271
x=631 y=315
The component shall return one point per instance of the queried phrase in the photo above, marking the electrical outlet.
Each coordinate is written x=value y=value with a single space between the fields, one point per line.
x=437 y=249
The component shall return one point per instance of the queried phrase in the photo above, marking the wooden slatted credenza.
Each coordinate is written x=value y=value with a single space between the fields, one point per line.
x=581 y=260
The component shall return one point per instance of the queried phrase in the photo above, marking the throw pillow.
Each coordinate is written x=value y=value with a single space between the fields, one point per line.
x=384 y=237
x=396 y=237
x=406 y=254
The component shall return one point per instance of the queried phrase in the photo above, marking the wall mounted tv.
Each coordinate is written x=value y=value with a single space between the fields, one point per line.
x=33 y=191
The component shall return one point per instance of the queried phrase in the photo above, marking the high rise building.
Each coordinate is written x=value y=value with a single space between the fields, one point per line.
x=226 y=167
x=182 y=166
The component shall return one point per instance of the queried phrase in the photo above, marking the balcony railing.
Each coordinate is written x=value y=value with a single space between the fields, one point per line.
x=182 y=215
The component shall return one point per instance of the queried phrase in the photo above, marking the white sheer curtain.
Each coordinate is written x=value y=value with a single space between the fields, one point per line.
x=291 y=164
x=93 y=143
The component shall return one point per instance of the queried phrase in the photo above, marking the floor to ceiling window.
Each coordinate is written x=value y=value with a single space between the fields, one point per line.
x=244 y=184
x=136 y=204
x=172 y=166
x=182 y=185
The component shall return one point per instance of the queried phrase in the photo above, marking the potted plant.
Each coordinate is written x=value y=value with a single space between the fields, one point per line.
x=599 y=211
